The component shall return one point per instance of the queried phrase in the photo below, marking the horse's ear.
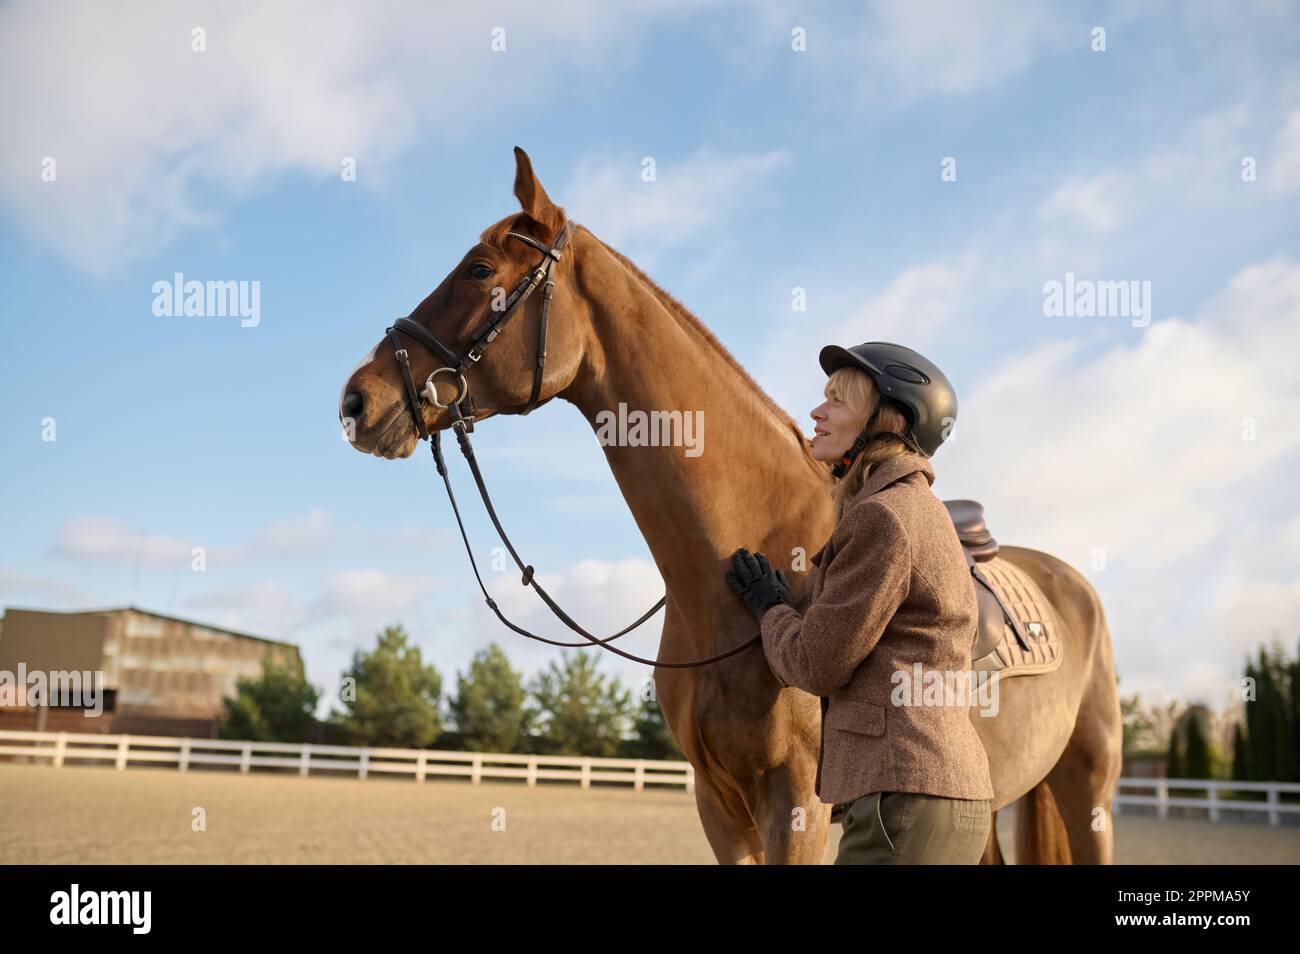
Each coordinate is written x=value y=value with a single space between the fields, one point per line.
x=532 y=197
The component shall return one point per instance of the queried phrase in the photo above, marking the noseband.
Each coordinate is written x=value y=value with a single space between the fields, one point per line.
x=463 y=424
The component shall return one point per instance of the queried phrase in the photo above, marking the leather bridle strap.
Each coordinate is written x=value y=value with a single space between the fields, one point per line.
x=529 y=578
x=463 y=424
x=412 y=393
x=538 y=276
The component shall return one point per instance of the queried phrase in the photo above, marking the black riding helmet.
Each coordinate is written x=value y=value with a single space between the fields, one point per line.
x=920 y=389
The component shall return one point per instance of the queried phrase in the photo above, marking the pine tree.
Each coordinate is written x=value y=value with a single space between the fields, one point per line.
x=582 y=711
x=1174 y=765
x=390 y=696
x=489 y=707
x=1239 y=767
x=277 y=706
x=1197 y=750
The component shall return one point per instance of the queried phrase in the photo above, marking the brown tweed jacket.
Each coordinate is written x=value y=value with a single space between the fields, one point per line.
x=890 y=589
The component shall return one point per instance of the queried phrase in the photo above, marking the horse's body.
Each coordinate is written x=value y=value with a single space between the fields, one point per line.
x=618 y=338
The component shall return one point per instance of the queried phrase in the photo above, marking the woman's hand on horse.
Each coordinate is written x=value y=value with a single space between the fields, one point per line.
x=752 y=578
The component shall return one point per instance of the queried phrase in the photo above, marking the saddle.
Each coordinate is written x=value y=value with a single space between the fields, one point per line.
x=994 y=614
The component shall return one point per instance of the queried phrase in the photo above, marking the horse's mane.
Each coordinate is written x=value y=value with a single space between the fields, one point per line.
x=685 y=314
x=495 y=235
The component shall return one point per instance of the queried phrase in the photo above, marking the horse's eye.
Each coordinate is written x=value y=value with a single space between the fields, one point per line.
x=480 y=270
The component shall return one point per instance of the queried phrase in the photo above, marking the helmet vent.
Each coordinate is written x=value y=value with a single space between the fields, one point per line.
x=904 y=373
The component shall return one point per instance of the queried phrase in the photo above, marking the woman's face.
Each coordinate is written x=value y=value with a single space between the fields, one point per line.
x=836 y=427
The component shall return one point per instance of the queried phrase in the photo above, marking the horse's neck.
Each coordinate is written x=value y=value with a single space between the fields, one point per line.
x=751 y=482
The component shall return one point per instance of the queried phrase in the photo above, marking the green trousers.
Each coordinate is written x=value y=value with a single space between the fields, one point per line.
x=907 y=828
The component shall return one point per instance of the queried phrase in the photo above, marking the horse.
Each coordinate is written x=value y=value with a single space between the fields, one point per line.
x=617 y=338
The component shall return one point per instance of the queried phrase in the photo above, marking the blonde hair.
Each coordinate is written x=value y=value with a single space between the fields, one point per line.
x=859 y=393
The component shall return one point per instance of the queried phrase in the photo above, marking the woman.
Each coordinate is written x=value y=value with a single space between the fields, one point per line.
x=890 y=591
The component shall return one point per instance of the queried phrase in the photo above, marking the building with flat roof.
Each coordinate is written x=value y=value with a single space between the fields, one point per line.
x=160 y=675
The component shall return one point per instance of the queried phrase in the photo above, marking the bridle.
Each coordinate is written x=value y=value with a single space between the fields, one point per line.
x=539 y=276
x=457 y=365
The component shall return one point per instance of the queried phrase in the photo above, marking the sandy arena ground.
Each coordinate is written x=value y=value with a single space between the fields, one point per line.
x=97 y=815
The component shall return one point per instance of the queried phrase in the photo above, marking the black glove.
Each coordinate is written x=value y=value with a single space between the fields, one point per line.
x=752 y=578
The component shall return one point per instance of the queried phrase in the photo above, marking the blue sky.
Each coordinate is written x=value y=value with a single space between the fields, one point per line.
x=776 y=168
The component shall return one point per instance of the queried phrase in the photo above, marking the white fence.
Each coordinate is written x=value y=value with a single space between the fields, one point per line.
x=1162 y=800
x=128 y=750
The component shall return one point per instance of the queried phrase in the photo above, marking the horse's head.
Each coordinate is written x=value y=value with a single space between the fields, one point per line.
x=499 y=285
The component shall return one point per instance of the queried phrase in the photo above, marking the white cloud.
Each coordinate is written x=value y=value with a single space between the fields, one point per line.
x=353 y=604
x=110 y=539
x=1257 y=611
x=258 y=597
x=687 y=198
x=918 y=303
x=1096 y=203
x=267 y=608
x=1142 y=436
x=371 y=599
x=1290 y=538
x=909 y=51
x=1283 y=170
x=1138 y=450
x=21 y=589
x=300 y=535
x=602 y=596
x=150 y=137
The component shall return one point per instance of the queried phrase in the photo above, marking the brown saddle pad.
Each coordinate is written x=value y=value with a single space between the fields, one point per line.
x=1038 y=622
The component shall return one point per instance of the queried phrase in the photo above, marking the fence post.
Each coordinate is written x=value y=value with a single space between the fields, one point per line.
x=532 y=772
x=639 y=781
x=476 y=770
x=1162 y=800
x=60 y=745
x=123 y=745
x=419 y=766
x=304 y=767
x=184 y=765
x=690 y=779
x=1273 y=818
x=364 y=769
x=1214 y=803
x=246 y=758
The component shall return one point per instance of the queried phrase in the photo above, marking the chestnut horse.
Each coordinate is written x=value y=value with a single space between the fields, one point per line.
x=616 y=337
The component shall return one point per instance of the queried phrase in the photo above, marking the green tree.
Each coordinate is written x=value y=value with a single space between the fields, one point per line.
x=1283 y=716
x=1196 y=749
x=489 y=707
x=277 y=706
x=1293 y=717
x=1238 y=753
x=1271 y=720
x=581 y=711
x=1174 y=766
x=390 y=696
x=1139 y=730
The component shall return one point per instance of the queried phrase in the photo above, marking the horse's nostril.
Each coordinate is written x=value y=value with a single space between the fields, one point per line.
x=353 y=405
